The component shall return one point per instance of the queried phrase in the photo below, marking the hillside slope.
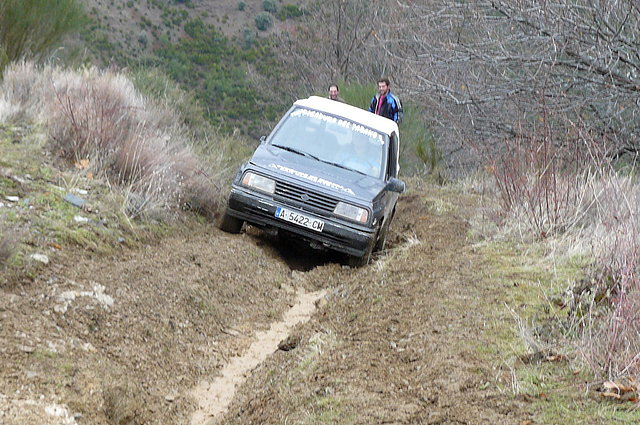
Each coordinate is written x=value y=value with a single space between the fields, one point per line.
x=134 y=28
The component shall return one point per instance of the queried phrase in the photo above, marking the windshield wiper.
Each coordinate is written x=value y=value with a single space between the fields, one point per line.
x=294 y=150
x=342 y=166
x=307 y=154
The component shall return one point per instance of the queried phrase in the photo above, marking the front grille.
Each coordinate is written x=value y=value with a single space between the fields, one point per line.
x=303 y=197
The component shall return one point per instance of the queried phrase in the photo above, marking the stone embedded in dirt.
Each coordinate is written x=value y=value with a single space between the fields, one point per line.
x=66 y=298
x=74 y=200
x=325 y=392
x=87 y=346
x=41 y=258
x=80 y=219
x=288 y=288
x=13 y=198
x=18 y=179
x=26 y=349
x=231 y=332
x=321 y=302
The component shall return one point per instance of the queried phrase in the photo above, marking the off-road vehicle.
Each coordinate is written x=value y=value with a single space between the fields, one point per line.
x=327 y=173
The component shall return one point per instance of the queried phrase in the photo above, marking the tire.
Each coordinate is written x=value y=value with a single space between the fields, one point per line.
x=382 y=234
x=356 y=262
x=230 y=224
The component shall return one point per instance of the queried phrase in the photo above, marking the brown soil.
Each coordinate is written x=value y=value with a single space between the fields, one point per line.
x=140 y=337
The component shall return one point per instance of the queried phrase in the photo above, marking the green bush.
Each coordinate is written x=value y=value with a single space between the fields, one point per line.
x=289 y=11
x=30 y=28
x=248 y=37
x=263 y=21
x=270 y=6
x=143 y=39
x=241 y=5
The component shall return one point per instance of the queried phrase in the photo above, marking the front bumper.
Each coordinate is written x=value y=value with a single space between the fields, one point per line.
x=337 y=235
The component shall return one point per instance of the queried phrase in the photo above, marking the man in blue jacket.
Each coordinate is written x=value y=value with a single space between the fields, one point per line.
x=386 y=104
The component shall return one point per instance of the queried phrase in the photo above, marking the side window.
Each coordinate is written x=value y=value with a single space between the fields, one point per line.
x=392 y=166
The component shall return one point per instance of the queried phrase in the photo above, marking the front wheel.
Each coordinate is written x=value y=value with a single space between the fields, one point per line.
x=382 y=239
x=382 y=234
x=230 y=224
x=356 y=261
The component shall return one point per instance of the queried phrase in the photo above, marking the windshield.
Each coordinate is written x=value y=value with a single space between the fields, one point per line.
x=334 y=140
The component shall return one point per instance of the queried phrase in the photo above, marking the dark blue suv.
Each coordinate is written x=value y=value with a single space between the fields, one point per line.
x=327 y=173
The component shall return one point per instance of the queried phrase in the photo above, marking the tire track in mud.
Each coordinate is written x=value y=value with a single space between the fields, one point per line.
x=213 y=398
x=401 y=340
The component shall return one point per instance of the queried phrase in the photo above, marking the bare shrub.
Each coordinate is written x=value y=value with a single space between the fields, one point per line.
x=102 y=118
x=204 y=195
x=7 y=110
x=22 y=95
x=485 y=65
x=610 y=340
x=546 y=183
x=93 y=114
x=133 y=142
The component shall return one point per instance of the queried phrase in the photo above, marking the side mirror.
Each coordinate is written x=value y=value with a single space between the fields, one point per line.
x=263 y=139
x=395 y=185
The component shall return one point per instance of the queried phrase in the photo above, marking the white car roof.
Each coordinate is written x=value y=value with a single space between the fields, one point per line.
x=350 y=112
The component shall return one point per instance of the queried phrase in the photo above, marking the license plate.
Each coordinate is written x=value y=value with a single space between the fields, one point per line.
x=299 y=219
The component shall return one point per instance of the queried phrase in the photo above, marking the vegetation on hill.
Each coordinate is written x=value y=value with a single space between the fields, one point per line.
x=216 y=71
x=234 y=78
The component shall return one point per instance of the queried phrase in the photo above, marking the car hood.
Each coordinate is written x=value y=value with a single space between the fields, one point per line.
x=325 y=177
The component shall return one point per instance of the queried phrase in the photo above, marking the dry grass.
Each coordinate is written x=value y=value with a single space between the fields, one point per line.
x=611 y=344
x=6 y=250
x=98 y=119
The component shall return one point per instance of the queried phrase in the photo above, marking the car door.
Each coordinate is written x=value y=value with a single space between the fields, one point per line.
x=387 y=198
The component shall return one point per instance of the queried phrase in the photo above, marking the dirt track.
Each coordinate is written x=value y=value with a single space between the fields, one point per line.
x=127 y=339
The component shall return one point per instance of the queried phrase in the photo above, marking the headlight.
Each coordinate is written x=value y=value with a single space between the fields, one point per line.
x=351 y=212
x=259 y=182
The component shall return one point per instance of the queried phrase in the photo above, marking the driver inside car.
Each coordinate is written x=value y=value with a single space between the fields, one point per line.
x=362 y=155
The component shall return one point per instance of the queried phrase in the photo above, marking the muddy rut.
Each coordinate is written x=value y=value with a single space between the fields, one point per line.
x=202 y=327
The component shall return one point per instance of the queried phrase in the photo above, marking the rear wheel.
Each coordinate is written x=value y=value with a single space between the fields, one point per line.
x=230 y=224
